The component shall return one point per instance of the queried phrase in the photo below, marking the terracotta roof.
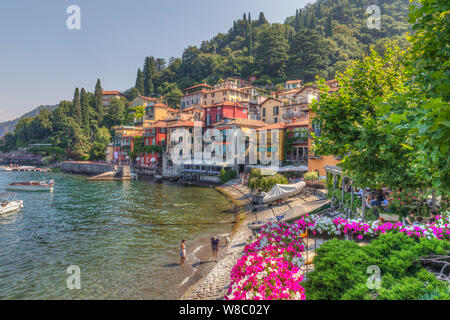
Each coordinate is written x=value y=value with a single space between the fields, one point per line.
x=288 y=92
x=270 y=98
x=294 y=81
x=149 y=98
x=298 y=124
x=111 y=93
x=159 y=124
x=273 y=126
x=241 y=122
x=181 y=123
x=198 y=85
x=196 y=92
x=225 y=103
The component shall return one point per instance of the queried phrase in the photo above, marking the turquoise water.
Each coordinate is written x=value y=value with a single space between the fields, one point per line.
x=112 y=230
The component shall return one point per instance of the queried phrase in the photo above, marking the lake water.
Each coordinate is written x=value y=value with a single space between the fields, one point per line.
x=123 y=235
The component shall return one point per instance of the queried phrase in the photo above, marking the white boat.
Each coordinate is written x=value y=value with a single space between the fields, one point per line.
x=31 y=186
x=7 y=206
x=282 y=191
x=292 y=214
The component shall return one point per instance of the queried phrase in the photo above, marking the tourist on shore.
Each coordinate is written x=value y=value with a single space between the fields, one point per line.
x=227 y=241
x=182 y=252
x=215 y=247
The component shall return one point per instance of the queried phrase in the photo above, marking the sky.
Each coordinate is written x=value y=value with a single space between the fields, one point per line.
x=42 y=61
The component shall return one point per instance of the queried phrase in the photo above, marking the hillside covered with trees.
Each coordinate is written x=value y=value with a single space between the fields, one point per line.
x=320 y=39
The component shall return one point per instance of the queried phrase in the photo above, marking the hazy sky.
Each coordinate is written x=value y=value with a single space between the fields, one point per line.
x=42 y=61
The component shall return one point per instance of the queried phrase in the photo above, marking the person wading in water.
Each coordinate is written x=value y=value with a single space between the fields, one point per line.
x=182 y=252
x=215 y=247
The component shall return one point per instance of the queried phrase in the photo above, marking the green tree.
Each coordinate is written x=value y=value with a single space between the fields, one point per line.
x=85 y=109
x=354 y=123
x=98 y=102
x=329 y=27
x=116 y=111
x=149 y=72
x=271 y=55
x=308 y=61
x=76 y=112
x=140 y=82
x=423 y=111
x=101 y=138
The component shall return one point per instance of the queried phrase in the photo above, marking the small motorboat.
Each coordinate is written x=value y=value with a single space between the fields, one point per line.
x=8 y=204
x=31 y=186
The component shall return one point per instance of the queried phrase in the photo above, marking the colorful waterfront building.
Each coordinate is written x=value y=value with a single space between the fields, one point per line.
x=271 y=110
x=122 y=142
x=107 y=96
x=195 y=95
x=145 y=101
x=266 y=143
x=155 y=138
x=296 y=143
x=229 y=129
x=156 y=112
x=293 y=84
x=226 y=109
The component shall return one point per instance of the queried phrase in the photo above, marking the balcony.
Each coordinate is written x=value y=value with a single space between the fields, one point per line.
x=297 y=160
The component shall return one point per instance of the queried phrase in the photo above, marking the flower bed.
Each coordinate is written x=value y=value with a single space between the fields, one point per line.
x=270 y=266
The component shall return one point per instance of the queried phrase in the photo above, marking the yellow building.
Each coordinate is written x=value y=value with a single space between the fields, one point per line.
x=266 y=143
x=225 y=94
x=145 y=101
x=315 y=162
x=158 y=111
x=271 y=110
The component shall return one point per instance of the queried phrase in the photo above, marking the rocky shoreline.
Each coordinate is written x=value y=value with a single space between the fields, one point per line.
x=214 y=285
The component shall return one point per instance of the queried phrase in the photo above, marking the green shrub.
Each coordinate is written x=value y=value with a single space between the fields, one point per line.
x=341 y=266
x=266 y=183
x=311 y=176
x=227 y=175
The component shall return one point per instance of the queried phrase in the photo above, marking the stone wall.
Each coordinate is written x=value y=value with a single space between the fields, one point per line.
x=92 y=168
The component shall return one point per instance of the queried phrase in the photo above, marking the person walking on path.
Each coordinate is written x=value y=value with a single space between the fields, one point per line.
x=215 y=247
x=227 y=241
x=182 y=252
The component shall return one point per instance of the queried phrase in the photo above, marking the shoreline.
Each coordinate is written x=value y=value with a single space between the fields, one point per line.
x=214 y=284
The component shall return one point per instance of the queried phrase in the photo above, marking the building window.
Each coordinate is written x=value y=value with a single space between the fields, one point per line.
x=264 y=112
x=276 y=120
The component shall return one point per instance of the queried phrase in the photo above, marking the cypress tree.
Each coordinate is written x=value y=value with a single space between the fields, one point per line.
x=149 y=71
x=140 y=81
x=98 y=103
x=85 y=109
x=329 y=26
x=301 y=21
x=312 y=21
x=76 y=112
x=250 y=35
x=297 y=21
x=262 y=19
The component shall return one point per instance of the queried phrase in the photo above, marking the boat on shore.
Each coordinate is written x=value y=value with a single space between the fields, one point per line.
x=31 y=186
x=8 y=205
x=292 y=214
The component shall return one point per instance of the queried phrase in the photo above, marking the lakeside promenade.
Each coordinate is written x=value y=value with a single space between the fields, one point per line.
x=215 y=284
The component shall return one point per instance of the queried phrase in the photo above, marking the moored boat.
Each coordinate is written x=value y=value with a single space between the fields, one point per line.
x=8 y=206
x=31 y=186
